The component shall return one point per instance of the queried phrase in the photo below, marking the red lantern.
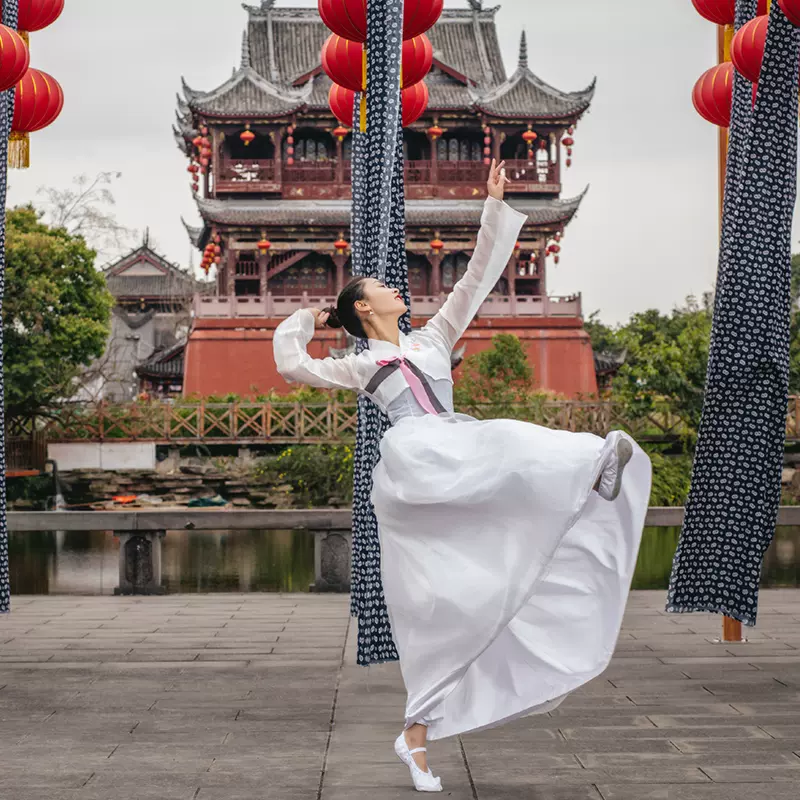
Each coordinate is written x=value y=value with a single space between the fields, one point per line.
x=264 y=244
x=437 y=244
x=341 y=102
x=747 y=48
x=568 y=141
x=529 y=137
x=420 y=16
x=713 y=94
x=435 y=131
x=792 y=10
x=37 y=14
x=192 y=168
x=38 y=102
x=14 y=58
x=348 y=18
x=340 y=132
x=416 y=59
x=246 y=136
x=415 y=101
x=721 y=12
x=197 y=141
x=341 y=244
x=343 y=62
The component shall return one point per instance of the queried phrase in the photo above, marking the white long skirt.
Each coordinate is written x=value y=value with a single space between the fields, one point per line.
x=505 y=575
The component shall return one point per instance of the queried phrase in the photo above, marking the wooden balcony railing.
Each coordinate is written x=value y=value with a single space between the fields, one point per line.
x=262 y=175
x=269 y=306
x=246 y=176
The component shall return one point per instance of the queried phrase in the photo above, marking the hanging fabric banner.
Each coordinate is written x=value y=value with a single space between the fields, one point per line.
x=732 y=507
x=9 y=18
x=378 y=237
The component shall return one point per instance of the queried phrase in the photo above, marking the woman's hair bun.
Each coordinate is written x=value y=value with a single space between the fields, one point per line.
x=333 y=320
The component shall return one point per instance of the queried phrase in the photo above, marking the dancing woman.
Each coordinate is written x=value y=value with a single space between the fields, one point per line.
x=507 y=549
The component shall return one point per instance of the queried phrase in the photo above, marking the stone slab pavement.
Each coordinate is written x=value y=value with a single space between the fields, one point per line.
x=247 y=697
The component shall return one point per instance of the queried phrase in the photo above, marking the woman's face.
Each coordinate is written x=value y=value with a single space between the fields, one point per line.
x=382 y=299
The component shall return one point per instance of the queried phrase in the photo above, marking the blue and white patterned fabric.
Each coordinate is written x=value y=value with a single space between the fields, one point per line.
x=378 y=236
x=10 y=8
x=732 y=506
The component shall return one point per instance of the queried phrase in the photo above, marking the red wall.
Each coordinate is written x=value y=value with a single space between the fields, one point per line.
x=235 y=356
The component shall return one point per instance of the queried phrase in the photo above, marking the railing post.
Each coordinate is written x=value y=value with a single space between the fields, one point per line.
x=139 y=562
x=332 y=561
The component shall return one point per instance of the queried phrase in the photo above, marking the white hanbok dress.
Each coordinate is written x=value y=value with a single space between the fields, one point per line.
x=505 y=575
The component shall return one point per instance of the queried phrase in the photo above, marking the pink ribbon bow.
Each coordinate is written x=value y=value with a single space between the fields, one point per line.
x=415 y=384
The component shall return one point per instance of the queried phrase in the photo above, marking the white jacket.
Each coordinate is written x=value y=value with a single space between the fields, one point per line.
x=429 y=347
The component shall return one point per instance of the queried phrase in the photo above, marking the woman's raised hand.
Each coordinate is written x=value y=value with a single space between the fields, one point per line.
x=320 y=317
x=496 y=185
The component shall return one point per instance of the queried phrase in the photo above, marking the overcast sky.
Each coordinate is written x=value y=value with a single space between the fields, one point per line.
x=645 y=236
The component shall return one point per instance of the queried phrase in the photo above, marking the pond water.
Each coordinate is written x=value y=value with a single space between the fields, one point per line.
x=276 y=561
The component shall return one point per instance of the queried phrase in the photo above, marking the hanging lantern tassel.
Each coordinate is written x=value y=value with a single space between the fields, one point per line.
x=19 y=150
x=363 y=107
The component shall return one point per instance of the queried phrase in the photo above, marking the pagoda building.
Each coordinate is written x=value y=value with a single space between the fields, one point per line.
x=271 y=169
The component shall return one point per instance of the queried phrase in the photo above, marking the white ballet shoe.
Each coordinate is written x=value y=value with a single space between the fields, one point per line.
x=611 y=479
x=423 y=781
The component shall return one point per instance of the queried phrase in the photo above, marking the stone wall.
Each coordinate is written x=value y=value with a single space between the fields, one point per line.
x=171 y=484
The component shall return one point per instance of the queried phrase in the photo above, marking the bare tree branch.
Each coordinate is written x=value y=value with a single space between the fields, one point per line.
x=83 y=210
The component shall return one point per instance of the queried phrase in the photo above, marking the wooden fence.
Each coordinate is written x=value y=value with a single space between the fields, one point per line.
x=291 y=423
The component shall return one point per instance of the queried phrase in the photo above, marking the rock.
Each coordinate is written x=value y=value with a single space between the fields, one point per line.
x=196 y=469
x=241 y=502
x=787 y=476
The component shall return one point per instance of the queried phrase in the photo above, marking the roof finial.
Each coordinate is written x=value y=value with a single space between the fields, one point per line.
x=523 y=50
x=476 y=5
x=146 y=240
x=246 y=49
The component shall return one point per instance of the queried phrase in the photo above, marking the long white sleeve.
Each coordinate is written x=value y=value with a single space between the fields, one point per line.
x=500 y=227
x=295 y=364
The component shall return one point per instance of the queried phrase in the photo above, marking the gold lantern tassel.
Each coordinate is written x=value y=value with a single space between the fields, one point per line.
x=19 y=150
x=363 y=109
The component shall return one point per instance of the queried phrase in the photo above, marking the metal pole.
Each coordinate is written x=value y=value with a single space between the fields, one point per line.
x=731 y=628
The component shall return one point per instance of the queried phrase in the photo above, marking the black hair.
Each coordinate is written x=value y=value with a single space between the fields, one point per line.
x=344 y=315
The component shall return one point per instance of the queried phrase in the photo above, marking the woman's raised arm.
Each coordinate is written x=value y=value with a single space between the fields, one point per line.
x=296 y=365
x=500 y=227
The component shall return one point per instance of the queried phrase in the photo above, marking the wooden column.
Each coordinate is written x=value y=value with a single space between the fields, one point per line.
x=339 y=162
x=230 y=259
x=436 y=273
x=278 y=142
x=542 y=271
x=434 y=163
x=216 y=160
x=263 y=260
x=340 y=259
x=495 y=143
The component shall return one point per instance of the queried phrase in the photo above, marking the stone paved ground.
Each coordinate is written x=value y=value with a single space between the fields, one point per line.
x=241 y=697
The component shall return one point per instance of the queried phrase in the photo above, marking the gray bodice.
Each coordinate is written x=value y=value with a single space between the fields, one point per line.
x=406 y=405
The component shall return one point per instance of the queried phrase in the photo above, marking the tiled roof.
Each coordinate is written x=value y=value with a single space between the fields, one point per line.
x=285 y=43
x=282 y=47
x=172 y=282
x=337 y=212
x=525 y=96
x=247 y=92
x=166 y=364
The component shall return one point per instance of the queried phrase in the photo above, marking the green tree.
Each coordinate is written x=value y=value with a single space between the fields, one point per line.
x=666 y=363
x=55 y=315
x=500 y=375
